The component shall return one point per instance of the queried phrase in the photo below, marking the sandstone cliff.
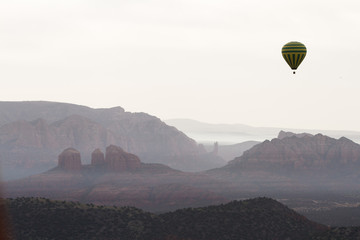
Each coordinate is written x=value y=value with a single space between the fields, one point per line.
x=115 y=160
x=33 y=133
x=283 y=134
x=300 y=152
x=118 y=160
x=70 y=160
x=97 y=157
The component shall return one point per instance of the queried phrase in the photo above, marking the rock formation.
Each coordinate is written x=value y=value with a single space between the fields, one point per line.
x=216 y=148
x=300 y=152
x=33 y=133
x=97 y=157
x=119 y=160
x=70 y=159
x=283 y=134
x=116 y=159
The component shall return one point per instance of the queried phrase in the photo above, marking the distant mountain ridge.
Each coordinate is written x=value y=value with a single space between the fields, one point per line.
x=236 y=133
x=33 y=133
x=54 y=111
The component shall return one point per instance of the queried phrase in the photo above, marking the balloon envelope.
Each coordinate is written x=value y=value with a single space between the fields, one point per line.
x=294 y=53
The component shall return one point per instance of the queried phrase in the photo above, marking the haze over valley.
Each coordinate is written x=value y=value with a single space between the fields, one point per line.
x=228 y=134
x=117 y=158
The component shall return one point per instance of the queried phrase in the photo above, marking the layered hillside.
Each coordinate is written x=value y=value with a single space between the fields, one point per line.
x=260 y=218
x=292 y=166
x=33 y=133
x=300 y=152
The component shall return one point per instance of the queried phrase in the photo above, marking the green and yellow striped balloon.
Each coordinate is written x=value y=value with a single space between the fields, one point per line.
x=294 y=53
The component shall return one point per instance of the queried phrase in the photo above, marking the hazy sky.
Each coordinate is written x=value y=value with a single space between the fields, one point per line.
x=209 y=60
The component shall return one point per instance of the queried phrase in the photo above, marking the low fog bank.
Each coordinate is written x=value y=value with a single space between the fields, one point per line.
x=229 y=134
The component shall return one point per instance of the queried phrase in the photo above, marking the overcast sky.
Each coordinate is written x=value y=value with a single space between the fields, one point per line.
x=208 y=60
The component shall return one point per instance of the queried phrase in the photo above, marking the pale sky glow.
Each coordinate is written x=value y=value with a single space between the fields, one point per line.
x=212 y=61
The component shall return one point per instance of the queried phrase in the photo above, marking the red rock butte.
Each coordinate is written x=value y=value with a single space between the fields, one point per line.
x=97 y=157
x=116 y=159
x=119 y=160
x=70 y=159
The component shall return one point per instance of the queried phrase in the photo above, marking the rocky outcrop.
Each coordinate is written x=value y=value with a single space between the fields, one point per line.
x=119 y=160
x=229 y=152
x=97 y=157
x=116 y=159
x=304 y=152
x=216 y=148
x=27 y=143
x=283 y=134
x=70 y=160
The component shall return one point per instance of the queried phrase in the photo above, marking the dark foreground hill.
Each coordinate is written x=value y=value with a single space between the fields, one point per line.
x=260 y=218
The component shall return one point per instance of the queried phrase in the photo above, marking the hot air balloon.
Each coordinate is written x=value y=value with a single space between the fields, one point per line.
x=294 y=53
